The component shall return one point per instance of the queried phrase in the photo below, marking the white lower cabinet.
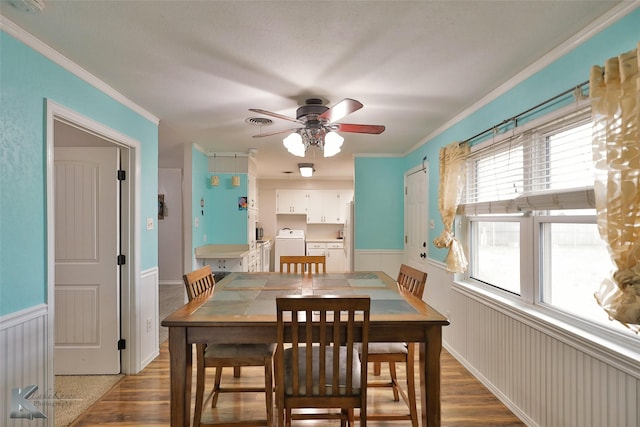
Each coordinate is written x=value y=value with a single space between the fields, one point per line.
x=335 y=257
x=333 y=251
x=228 y=264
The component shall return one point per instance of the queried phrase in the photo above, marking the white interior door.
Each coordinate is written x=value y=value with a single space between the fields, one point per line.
x=87 y=279
x=416 y=218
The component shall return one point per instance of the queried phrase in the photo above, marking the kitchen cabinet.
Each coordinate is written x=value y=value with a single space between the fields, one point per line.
x=327 y=206
x=258 y=257
x=333 y=251
x=227 y=264
x=252 y=220
x=224 y=258
x=291 y=201
x=316 y=249
x=252 y=192
x=335 y=257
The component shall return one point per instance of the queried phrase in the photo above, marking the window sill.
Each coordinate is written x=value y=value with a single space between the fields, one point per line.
x=611 y=347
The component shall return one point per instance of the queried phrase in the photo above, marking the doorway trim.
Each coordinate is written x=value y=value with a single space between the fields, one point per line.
x=130 y=208
x=423 y=170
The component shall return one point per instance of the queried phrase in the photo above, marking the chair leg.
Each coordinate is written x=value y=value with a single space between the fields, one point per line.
x=197 y=416
x=376 y=368
x=288 y=416
x=411 y=385
x=394 y=380
x=216 y=387
x=268 y=389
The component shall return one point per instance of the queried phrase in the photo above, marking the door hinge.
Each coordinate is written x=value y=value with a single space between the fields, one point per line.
x=122 y=175
x=121 y=260
x=122 y=344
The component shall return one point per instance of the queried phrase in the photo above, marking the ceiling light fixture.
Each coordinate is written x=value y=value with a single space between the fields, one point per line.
x=321 y=137
x=306 y=169
x=235 y=179
x=215 y=179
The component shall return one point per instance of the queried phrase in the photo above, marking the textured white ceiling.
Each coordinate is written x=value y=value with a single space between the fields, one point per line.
x=200 y=65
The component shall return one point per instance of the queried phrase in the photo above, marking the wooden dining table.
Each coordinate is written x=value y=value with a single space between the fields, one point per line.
x=242 y=309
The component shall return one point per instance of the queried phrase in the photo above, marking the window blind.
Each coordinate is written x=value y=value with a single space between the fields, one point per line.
x=546 y=165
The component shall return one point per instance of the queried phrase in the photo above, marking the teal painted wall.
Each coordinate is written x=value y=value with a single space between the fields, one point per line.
x=221 y=220
x=379 y=203
x=199 y=190
x=564 y=73
x=27 y=79
x=228 y=223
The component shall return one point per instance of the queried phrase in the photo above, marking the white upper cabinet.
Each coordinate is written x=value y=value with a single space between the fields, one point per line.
x=291 y=201
x=327 y=206
x=252 y=192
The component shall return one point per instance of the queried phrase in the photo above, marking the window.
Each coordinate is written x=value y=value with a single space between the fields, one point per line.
x=574 y=260
x=529 y=220
x=496 y=255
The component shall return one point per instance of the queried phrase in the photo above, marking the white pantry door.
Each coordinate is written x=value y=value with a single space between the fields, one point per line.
x=87 y=279
x=416 y=216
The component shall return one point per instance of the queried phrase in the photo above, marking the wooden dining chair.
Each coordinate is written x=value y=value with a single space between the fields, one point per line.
x=303 y=263
x=220 y=356
x=316 y=363
x=413 y=281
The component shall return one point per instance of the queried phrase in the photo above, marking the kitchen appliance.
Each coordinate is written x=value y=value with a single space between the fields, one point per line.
x=288 y=242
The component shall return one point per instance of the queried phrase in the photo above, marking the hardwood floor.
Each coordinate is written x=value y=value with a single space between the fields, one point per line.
x=143 y=400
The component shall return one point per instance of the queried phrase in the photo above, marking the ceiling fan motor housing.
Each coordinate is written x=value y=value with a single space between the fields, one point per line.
x=313 y=108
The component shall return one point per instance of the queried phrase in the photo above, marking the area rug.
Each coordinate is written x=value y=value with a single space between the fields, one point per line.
x=76 y=393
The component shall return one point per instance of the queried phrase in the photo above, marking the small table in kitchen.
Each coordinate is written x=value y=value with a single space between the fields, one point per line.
x=242 y=309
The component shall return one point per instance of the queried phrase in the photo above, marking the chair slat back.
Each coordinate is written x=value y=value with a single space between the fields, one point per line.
x=199 y=281
x=326 y=324
x=413 y=280
x=303 y=263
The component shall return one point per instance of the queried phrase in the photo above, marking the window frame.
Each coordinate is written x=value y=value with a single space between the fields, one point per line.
x=529 y=303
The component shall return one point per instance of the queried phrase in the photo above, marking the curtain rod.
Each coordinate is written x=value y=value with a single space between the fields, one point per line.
x=515 y=118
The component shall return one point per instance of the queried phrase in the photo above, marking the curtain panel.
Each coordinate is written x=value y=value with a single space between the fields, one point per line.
x=615 y=98
x=453 y=159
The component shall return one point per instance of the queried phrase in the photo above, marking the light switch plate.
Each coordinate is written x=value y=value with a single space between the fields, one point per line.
x=149 y=223
x=196 y=222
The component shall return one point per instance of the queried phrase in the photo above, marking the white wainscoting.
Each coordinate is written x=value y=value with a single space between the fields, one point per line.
x=149 y=316
x=378 y=260
x=546 y=378
x=24 y=361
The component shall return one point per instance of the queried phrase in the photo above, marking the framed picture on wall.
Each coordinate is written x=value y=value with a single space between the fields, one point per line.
x=161 y=206
x=242 y=203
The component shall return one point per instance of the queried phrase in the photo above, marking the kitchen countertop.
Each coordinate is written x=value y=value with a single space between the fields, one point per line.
x=222 y=251
x=312 y=240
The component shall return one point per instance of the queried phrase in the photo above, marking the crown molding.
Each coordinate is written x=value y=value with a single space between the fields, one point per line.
x=47 y=51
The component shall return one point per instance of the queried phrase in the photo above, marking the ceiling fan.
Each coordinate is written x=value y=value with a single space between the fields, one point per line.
x=318 y=126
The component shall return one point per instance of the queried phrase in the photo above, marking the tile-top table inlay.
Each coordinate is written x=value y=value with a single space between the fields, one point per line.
x=245 y=294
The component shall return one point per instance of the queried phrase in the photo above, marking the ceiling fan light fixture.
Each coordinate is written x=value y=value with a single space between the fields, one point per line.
x=332 y=144
x=306 y=169
x=294 y=145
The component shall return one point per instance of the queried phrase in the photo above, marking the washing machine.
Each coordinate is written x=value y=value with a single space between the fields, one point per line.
x=288 y=242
